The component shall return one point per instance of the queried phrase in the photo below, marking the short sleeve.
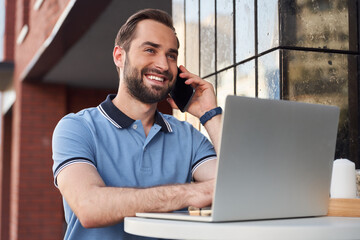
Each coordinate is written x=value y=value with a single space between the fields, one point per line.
x=72 y=142
x=203 y=149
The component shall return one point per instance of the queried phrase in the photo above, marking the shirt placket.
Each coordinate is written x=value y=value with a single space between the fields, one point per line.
x=146 y=161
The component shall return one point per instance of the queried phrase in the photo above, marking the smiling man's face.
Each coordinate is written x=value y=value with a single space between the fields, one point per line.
x=151 y=63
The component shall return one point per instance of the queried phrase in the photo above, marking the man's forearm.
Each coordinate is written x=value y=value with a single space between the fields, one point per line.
x=109 y=205
x=213 y=128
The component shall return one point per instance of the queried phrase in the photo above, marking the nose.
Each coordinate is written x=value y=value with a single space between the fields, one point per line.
x=162 y=63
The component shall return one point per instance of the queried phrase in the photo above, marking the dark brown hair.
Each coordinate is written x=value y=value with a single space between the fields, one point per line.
x=127 y=31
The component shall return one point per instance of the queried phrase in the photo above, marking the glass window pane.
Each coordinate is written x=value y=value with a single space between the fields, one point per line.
x=269 y=76
x=207 y=36
x=319 y=24
x=192 y=36
x=245 y=79
x=268 y=24
x=225 y=86
x=245 y=29
x=317 y=77
x=178 y=16
x=225 y=38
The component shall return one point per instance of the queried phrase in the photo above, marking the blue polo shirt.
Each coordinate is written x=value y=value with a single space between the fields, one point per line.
x=117 y=147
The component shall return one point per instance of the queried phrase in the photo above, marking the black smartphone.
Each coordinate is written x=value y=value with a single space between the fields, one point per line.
x=182 y=93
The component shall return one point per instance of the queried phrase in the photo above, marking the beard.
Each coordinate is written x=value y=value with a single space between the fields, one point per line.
x=137 y=89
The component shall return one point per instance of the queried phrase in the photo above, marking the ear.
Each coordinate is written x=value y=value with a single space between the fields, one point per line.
x=119 y=56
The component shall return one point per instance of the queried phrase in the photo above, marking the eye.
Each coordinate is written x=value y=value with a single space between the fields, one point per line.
x=149 y=50
x=172 y=56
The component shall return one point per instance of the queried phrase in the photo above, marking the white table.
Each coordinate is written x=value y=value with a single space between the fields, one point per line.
x=300 y=228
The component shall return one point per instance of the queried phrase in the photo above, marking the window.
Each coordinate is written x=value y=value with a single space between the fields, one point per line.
x=296 y=50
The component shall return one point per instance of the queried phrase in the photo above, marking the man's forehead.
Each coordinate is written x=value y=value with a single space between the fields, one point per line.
x=158 y=33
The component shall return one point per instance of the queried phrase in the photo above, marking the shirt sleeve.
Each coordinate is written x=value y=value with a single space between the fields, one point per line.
x=203 y=149
x=72 y=142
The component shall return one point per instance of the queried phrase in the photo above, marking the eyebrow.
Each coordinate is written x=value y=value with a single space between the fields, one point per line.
x=155 y=45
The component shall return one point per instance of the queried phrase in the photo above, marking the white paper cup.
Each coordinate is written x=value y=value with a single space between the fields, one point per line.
x=343 y=181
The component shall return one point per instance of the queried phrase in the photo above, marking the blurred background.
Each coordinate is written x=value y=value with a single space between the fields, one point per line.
x=56 y=58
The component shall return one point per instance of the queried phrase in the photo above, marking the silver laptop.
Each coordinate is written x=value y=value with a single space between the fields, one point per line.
x=275 y=161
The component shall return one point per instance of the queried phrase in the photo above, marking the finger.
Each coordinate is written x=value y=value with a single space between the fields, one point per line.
x=192 y=79
x=196 y=82
x=183 y=69
x=193 y=84
x=186 y=73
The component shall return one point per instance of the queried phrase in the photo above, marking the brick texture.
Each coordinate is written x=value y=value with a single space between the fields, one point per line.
x=36 y=205
x=9 y=36
x=80 y=98
x=5 y=157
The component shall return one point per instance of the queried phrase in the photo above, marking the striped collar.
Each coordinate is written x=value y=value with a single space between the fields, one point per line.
x=120 y=120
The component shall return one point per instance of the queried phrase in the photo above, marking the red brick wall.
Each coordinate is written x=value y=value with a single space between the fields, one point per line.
x=80 y=98
x=5 y=156
x=9 y=36
x=6 y=127
x=36 y=205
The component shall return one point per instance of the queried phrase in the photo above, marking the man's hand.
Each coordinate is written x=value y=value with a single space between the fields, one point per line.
x=202 y=194
x=204 y=98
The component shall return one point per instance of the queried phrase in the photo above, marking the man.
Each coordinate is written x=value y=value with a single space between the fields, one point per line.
x=124 y=156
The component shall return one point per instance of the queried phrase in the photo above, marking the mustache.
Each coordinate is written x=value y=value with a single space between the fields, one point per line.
x=167 y=74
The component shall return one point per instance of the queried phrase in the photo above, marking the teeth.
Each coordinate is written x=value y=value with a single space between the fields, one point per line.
x=152 y=77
